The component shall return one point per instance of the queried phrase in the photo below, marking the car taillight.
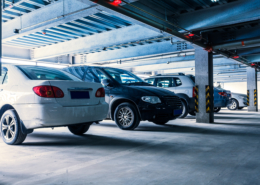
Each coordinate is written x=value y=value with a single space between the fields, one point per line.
x=47 y=91
x=58 y=93
x=222 y=94
x=193 y=93
x=100 y=92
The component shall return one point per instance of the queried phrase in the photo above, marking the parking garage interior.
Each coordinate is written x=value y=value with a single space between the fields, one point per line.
x=217 y=41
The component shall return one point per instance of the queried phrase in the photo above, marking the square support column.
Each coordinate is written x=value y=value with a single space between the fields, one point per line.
x=252 y=87
x=204 y=78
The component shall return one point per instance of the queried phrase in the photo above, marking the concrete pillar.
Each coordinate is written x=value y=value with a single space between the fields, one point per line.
x=252 y=86
x=204 y=77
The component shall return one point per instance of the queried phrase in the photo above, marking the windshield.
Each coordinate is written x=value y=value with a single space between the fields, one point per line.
x=46 y=73
x=122 y=76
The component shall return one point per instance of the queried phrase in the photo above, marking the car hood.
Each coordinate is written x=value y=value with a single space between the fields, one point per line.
x=152 y=91
x=238 y=94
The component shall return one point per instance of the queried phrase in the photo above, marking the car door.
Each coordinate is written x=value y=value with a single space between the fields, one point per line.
x=179 y=87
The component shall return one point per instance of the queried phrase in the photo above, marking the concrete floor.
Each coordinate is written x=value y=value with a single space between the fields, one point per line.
x=182 y=152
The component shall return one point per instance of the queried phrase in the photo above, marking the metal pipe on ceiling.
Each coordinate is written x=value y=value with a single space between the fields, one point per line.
x=238 y=45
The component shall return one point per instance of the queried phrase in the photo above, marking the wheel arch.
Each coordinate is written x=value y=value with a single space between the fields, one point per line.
x=236 y=101
x=184 y=98
x=6 y=107
x=117 y=102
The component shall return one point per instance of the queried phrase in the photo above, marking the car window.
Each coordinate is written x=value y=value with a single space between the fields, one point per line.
x=101 y=76
x=123 y=76
x=93 y=74
x=46 y=73
x=164 y=82
x=4 y=72
x=177 y=82
x=6 y=78
x=77 y=71
x=150 y=81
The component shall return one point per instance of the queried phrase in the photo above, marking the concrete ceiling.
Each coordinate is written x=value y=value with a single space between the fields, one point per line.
x=98 y=34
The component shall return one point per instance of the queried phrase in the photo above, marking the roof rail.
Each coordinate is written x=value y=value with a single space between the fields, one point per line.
x=170 y=74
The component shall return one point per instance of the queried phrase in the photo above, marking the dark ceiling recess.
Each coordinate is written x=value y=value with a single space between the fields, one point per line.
x=176 y=7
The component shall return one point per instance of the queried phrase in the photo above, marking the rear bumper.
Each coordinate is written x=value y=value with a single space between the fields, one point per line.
x=51 y=115
x=222 y=103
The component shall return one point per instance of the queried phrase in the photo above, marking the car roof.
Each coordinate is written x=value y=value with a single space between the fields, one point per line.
x=168 y=76
x=101 y=67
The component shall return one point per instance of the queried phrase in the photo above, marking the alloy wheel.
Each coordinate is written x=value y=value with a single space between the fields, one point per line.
x=125 y=116
x=233 y=105
x=8 y=128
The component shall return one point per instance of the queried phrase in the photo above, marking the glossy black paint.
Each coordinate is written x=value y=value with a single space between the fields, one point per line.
x=117 y=93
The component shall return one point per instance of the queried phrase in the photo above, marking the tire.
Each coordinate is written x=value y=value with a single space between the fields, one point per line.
x=233 y=105
x=78 y=129
x=160 y=122
x=11 y=131
x=184 y=109
x=126 y=116
x=217 y=109
x=240 y=108
x=193 y=113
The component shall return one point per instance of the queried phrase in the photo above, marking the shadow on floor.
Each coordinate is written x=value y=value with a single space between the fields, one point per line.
x=191 y=129
x=233 y=118
x=58 y=140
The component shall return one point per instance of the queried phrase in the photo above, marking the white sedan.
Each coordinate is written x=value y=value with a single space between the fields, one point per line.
x=38 y=97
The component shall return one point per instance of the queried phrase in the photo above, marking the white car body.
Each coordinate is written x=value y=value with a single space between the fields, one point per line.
x=37 y=112
x=186 y=84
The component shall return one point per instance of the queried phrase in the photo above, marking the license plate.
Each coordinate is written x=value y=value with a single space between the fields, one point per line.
x=177 y=112
x=79 y=94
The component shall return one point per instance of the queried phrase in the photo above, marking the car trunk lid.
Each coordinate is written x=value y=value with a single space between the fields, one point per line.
x=77 y=93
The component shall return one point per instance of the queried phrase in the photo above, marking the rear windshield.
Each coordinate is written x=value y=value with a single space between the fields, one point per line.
x=46 y=73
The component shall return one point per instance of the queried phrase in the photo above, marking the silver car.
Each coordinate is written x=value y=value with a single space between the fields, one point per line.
x=239 y=101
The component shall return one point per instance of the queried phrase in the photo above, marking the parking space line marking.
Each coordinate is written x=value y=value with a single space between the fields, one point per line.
x=39 y=177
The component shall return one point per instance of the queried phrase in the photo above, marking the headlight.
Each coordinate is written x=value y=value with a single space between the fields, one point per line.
x=151 y=99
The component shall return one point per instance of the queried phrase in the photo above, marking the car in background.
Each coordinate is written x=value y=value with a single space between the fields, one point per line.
x=34 y=97
x=184 y=86
x=130 y=99
x=239 y=101
x=222 y=98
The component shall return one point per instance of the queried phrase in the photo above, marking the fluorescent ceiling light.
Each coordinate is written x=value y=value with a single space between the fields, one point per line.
x=10 y=61
x=22 y=62
x=51 y=65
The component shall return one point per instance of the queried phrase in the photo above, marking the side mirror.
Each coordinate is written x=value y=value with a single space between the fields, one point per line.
x=106 y=83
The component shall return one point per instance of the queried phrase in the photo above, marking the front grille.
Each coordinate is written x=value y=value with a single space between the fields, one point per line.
x=174 y=101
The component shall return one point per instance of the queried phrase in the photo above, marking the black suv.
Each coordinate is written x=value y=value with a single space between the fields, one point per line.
x=130 y=98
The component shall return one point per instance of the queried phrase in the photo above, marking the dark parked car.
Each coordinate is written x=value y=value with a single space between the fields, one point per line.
x=130 y=99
